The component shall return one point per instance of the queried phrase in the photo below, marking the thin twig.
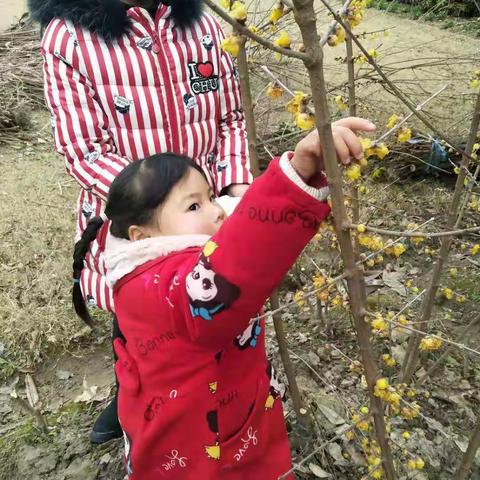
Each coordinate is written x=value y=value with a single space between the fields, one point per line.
x=410 y=233
x=253 y=36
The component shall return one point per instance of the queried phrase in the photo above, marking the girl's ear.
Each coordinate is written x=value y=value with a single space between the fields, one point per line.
x=136 y=232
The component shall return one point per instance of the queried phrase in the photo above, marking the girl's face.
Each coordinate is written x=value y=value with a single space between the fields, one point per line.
x=190 y=208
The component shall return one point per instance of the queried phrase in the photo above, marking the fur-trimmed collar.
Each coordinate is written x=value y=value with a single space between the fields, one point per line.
x=123 y=256
x=107 y=18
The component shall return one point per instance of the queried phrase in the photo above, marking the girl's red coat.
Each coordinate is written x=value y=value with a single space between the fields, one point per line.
x=198 y=399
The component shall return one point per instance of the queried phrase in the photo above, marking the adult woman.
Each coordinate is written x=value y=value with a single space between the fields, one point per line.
x=125 y=79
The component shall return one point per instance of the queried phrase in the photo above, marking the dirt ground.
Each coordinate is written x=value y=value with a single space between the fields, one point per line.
x=72 y=368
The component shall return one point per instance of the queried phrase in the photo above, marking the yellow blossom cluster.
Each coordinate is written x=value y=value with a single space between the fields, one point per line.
x=378 y=324
x=448 y=293
x=392 y=121
x=415 y=240
x=297 y=106
x=319 y=281
x=353 y=172
x=373 y=150
x=276 y=13
x=388 y=360
x=342 y=104
x=415 y=464
x=231 y=45
x=356 y=12
x=430 y=344
x=474 y=204
x=237 y=9
x=404 y=135
x=337 y=37
x=388 y=394
x=364 y=59
x=475 y=81
x=396 y=250
x=411 y=412
x=299 y=298
x=284 y=41
x=274 y=91
x=372 y=242
x=362 y=425
x=475 y=249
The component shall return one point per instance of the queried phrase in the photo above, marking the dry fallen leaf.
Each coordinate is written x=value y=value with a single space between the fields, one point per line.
x=318 y=472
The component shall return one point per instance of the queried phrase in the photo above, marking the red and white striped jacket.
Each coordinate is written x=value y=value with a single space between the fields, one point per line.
x=155 y=89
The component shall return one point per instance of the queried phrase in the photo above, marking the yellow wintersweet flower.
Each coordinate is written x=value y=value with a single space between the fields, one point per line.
x=420 y=463
x=299 y=298
x=365 y=142
x=364 y=410
x=238 y=11
x=380 y=151
x=388 y=360
x=283 y=40
x=415 y=464
x=274 y=91
x=337 y=37
x=382 y=384
x=319 y=281
x=475 y=83
x=276 y=13
x=392 y=121
x=475 y=249
x=361 y=228
x=254 y=29
x=398 y=249
x=461 y=299
x=231 y=45
x=430 y=344
x=379 y=324
x=225 y=4
x=411 y=412
x=305 y=121
x=404 y=135
x=350 y=435
x=378 y=474
x=337 y=301
x=447 y=293
x=406 y=435
x=353 y=173
x=295 y=104
x=341 y=103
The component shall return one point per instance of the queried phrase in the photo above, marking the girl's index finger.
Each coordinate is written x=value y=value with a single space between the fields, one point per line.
x=356 y=123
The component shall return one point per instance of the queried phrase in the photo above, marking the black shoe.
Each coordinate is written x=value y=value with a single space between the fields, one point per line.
x=107 y=427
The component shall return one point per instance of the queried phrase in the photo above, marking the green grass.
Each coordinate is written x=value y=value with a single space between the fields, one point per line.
x=461 y=16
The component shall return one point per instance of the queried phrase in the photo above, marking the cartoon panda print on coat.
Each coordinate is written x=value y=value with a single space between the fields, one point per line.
x=209 y=293
x=213 y=450
x=250 y=335
x=277 y=389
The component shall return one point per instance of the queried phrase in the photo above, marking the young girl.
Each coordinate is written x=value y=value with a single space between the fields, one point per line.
x=197 y=397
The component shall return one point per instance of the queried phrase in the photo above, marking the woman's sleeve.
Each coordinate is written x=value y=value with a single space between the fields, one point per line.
x=78 y=121
x=216 y=293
